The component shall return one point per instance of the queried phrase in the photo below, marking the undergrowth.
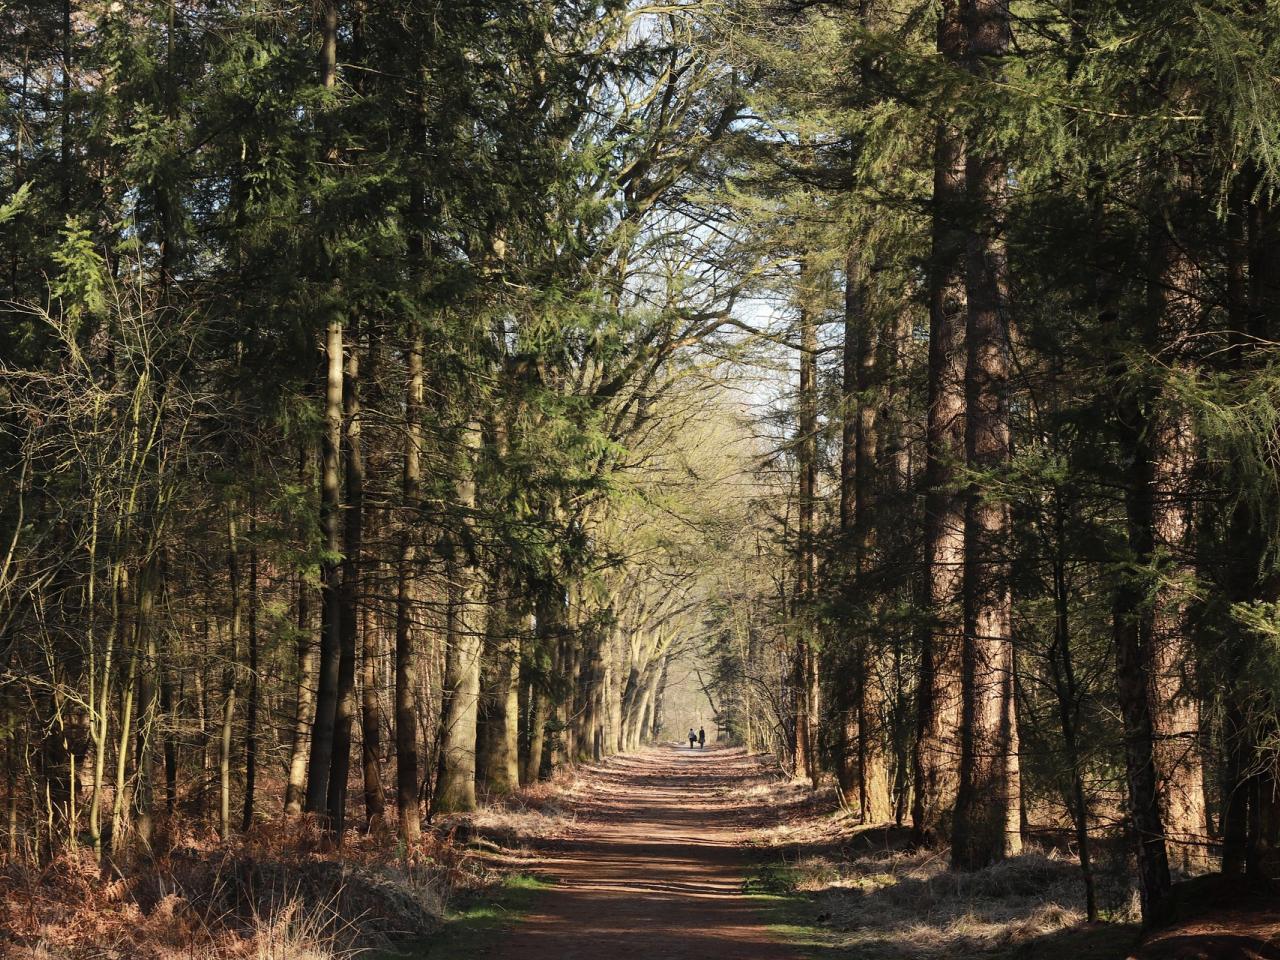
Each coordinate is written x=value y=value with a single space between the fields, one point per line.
x=279 y=892
x=836 y=889
x=905 y=905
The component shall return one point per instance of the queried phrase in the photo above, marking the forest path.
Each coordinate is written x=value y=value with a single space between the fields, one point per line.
x=653 y=867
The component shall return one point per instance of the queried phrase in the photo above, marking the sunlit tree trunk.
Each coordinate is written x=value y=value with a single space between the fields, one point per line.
x=843 y=710
x=548 y=619
x=804 y=678
x=532 y=768
x=456 y=783
x=304 y=686
x=1153 y=654
x=407 y=771
x=874 y=802
x=304 y=691
x=987 y=824
x=659 y=689
x=1169 y=447
x=500 y=766
x=612 y=698
x=937 y=752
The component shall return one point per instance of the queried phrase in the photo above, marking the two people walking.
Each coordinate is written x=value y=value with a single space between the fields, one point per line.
x=700 y=738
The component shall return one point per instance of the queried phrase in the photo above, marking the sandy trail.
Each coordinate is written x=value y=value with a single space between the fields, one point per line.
x=653 y=868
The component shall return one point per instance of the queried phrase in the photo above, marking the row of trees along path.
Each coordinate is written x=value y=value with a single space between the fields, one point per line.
x=397 y=405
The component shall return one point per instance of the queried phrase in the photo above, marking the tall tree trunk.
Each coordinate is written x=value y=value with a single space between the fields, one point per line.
x=844 y=710
x=561 y=658
x=148 y=707
x=612 y=706
x=456 y=783
x=304 y=688
x=64 y=146
x=1132 y=690
x=548 y=619
x=937 y=752
x=204 y=709
x=1133 y=667
x=121 y=803
x=1168 y=447
x=370 y=714
x=500 y=768
x=322 y=732
x=987 y=823
x=659 y=690
x=348 y=598
x=499 y=749
x=805 y=669
x=874 y=802
x=230 y=671
x=406 y=662
x=531 y=771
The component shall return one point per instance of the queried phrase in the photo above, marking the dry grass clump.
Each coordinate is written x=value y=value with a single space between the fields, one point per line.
x=279 y=892
x=534 y=813
x=796 y=815
x=276 y=894
x=875 y=896
x=908 y=904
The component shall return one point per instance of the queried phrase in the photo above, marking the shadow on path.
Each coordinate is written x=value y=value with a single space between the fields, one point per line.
x=653 y=868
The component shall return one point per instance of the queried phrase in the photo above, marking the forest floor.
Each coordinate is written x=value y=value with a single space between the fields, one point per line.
x=668 y=853
x=686 y=854
x=710 y=854
x=654 y=865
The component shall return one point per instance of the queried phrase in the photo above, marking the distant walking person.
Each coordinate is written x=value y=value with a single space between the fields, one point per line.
x=693 y=738
x=702 y=737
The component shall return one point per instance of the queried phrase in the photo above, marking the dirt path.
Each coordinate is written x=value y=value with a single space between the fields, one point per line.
x=653 y=868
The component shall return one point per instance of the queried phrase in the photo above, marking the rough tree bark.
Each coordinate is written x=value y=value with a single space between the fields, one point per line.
x=304 y=702
x=500 y=766
x=456 y=783
x=330 y=507
x=348 y=597
x=304 y=686
x=937 y=752
x=874 y=802
x=844 y=713
x=804 y=745
x=1169 y=446
x=987 y=818
x=548 y=620
x=406 y=663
